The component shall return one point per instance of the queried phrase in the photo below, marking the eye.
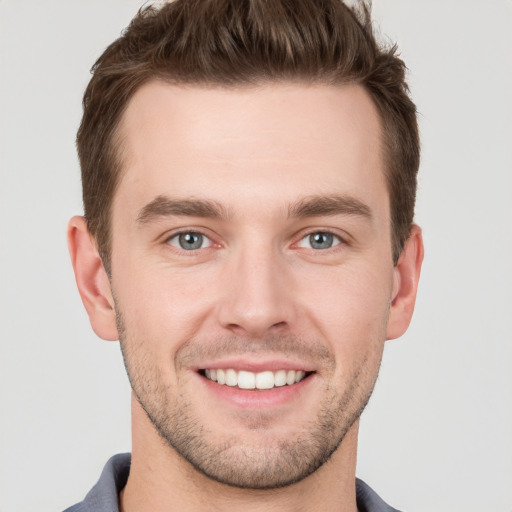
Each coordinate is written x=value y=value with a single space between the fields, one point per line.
x=189 y=241
x=320 y=240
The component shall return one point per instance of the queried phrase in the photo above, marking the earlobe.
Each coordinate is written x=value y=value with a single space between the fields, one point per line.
x=405 y=286
x=92 y=280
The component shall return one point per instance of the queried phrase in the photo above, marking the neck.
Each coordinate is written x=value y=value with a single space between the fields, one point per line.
x=162 y=481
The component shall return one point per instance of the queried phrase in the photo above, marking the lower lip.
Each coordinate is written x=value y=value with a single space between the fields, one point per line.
x=256 y=398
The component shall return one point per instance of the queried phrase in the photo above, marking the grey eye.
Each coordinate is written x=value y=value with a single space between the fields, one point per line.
x=320 y=240
x=190 y=241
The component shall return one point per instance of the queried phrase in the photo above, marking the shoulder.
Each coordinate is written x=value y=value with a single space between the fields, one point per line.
x=369 y=501
x=103 y=497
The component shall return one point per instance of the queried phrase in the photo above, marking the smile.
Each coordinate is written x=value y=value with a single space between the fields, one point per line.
x=250 y=380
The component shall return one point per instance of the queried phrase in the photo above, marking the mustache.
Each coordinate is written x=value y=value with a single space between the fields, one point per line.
x=288 y=345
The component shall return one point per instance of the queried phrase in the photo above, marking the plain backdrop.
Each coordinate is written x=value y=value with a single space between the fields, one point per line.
x=437 y=435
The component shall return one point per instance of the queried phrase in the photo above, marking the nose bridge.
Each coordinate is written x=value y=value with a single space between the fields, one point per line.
x=257 y=299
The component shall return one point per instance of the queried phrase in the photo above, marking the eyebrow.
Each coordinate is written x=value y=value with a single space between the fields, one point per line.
x=311 y=206
x=163 y=206
x=314 y=206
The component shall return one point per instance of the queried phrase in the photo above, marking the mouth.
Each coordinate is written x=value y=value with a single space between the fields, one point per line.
x=246 y=380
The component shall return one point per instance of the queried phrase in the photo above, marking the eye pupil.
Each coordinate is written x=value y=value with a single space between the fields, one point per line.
x=321 y=240
x=190 y=241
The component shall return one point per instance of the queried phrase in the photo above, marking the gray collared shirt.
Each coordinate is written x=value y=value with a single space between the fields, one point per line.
x=104 y=496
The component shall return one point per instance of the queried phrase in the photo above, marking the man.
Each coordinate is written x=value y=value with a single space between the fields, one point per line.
x=249 y=176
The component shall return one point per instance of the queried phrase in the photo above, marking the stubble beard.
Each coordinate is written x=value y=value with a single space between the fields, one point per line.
x=275 y=461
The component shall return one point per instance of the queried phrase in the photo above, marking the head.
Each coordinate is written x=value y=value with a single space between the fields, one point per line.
x=237 y=44
x=249 y=173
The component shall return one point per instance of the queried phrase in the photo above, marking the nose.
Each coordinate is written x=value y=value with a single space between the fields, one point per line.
x=258 y=296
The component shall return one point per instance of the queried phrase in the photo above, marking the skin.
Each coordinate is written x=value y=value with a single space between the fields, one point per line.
x=256 y=293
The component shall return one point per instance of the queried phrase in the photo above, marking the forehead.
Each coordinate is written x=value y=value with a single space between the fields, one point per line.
x=269 y=142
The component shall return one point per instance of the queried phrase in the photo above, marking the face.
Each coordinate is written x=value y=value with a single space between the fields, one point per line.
x=252 y=272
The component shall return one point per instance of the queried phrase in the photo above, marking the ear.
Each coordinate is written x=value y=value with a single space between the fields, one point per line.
x=407 y=274
x=92 y=280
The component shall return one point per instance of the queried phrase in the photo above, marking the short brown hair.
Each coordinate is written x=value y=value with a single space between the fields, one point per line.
x=246 y=42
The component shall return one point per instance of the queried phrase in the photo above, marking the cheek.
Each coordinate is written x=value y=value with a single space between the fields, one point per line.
x=350 y=308
x=160 y=307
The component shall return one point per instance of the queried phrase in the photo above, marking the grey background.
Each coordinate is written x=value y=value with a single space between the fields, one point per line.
x=437 y=434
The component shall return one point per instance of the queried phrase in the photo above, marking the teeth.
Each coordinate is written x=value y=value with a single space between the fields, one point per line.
x=246 y=380
x=265 y=380
x=231 y=378
x=280 y=378
x=249 y=380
